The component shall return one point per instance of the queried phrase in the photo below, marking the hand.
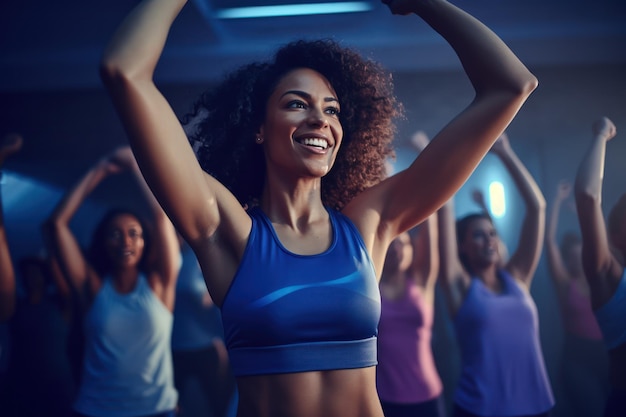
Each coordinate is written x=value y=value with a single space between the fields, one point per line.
x=123 y=156
x=419 y=140
x=400 y=7
x=479 y=198
x=563 y=190
x=117 y=161
x=604 y=128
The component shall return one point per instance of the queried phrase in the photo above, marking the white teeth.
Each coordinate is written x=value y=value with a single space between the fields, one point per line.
x=320 y=143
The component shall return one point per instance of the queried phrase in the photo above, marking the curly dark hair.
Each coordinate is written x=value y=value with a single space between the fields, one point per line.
x=232 y=113
x=97 y=253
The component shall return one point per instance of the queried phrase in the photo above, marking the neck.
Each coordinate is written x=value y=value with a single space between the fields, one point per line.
x=124 y=280
x=488 y=275
x=295 y=206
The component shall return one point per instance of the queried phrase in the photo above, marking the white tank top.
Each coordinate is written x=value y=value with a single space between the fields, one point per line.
x=127 y=369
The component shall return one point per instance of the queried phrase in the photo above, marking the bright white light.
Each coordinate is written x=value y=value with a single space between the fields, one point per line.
x=497 y=203
x=293 y=10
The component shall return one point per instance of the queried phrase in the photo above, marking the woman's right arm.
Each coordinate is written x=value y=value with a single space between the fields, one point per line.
x=452 y=276
x=425 y=240
x=59 y=238
x=602 y=269
x=205 y=213
x=556 y=264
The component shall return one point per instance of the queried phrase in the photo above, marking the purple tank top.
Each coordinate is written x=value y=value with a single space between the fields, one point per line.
x=503 y=371
x=406 y=371
x=578 y=315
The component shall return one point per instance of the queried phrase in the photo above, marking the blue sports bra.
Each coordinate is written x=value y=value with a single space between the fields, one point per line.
x=286 y=312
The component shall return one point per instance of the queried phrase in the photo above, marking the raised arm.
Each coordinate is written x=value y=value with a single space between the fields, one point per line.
x=197 y=204
x=602 y=268
x=9 y=145
x=501 y=83
x=64 y=291
x=425 y=266
x=59 y=238
x=453 y=277
x=424 y=238
x=524 y=259
x=206 y=214
x=166 y=246
x=558 y=270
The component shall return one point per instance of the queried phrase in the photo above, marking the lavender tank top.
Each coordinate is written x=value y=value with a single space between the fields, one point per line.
x=503 y=371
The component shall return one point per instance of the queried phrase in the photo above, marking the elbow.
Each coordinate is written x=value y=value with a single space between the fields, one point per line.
x=110 y=72
x=530 y=84
x=525 y=84
x=586 y=199
x=522 y=87
x=540 y=205
x=586 y=195
x=50 y=228
x=113 y=73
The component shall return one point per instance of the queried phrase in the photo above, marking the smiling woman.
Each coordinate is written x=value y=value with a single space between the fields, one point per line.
x=125 y=287
x=285 y=201
x=358 y=119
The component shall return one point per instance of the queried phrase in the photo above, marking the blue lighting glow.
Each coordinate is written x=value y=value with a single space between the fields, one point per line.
x=497 y=203
x=293 y=10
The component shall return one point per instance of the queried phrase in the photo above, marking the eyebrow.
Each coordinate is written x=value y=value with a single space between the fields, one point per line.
x=307 y=95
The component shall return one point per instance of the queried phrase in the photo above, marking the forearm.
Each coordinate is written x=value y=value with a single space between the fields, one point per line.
x=556 y=265
x=430 y=244
x=552 y=221
x=155 y=208
x=487 y=60
x=524 y=181
x=71 y=202
x=590 y=173
x=139 y=41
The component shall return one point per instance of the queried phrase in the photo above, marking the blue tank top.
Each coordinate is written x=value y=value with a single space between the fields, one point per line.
x=286 y=312
x=128 y=365
x=503 y=371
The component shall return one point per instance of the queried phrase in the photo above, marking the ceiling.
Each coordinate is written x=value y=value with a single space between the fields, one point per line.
x=57 y=44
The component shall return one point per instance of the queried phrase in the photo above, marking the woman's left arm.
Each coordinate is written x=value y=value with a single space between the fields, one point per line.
x=165 y=261
x=502 y=84
x=524 y=260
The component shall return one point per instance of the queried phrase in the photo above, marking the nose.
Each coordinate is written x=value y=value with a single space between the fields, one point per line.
x=127 y=239
x=317 y=117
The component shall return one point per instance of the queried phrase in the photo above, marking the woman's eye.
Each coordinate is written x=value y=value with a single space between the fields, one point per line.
x=332 y=110
x=296 y=104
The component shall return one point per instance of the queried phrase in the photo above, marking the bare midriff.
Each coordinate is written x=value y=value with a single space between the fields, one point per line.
x=336 y=393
